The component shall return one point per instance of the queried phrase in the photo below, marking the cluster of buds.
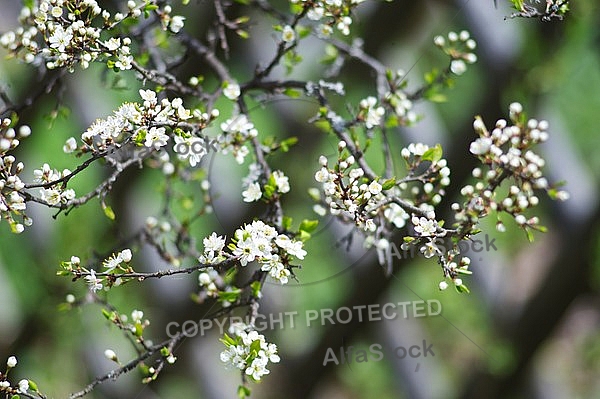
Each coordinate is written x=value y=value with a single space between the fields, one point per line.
x=507 y=155
x=52 y=191
x=12 y=201
x=237 y=131
x=459 y=47
x=349 y=194
x=64 y=33
x=24 y=387
x=331 y=14
x=248 y=351
x=146 y=125
x=398 y=100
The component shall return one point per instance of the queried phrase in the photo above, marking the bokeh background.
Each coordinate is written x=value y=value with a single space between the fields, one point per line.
x=529 y=328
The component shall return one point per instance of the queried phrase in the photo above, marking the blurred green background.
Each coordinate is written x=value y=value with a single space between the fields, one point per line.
x=530 y=327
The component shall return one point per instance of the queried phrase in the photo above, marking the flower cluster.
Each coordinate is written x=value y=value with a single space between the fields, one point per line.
x=278 y=182
x=24 y=386
x=348 y=193
x=12 y=201
x=146 y=125
x=370 y=113
x=459 y=47
x=64 y=33
x=507 y=155
x=53 y=192
x=113 y=265
x=114 y=262
x=398 y=100
x=506 y=183
x=330 y=14
x=236 y=132
x=262 y=243
x=248 y=351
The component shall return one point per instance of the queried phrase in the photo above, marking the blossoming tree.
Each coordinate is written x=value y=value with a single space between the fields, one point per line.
x=175 y=121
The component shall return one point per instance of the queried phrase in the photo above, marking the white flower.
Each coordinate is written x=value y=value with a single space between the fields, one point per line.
x=94 y=283
x=60 y=38
x=288 y=35
x=23 y=386
x=246 y=251
x=113 y=262
x=70 y=145
x=458 y=67
x=113 y=43
x=110 y=355
x=11 y=362
x=192 y=148
x=293 y=248
x=375 y=187
x=395 y=214
x=373 y=113
x=322 y=175
x=418 y=149
x=281 y=181
x=232 y=91
x=430 y=249
x=126 y=255
x=50 y=196
x=481 y=146
x=176 y=23
x=424 y=226
x=124 y=61
x=515 y=108
x=137 y=316
x=156 y=137
x=258 y=368
x=443 y=285
x=252 y=193
x=213 y=243
x=520 y=219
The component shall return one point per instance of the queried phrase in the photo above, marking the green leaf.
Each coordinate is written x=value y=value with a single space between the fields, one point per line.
x=287 y=143
x=33 y=386
x=388 y=184
x=292 y=93
x=529 y=233
x=433 y=154
x=304 y=236
x=256 y=286
x=243 y=392
x=287 y=222
x=108 y=314
x=431 y=76
x=15 y=397
x=462 y=289
x=518 y=4
x=270 y=188
x=255 y=348
x=308 y=225
x=108 y=211
x=230 y=296
x=139 y=331
x=436 y=97
x=242 y=33
x=227 y=340
x=165 y=351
